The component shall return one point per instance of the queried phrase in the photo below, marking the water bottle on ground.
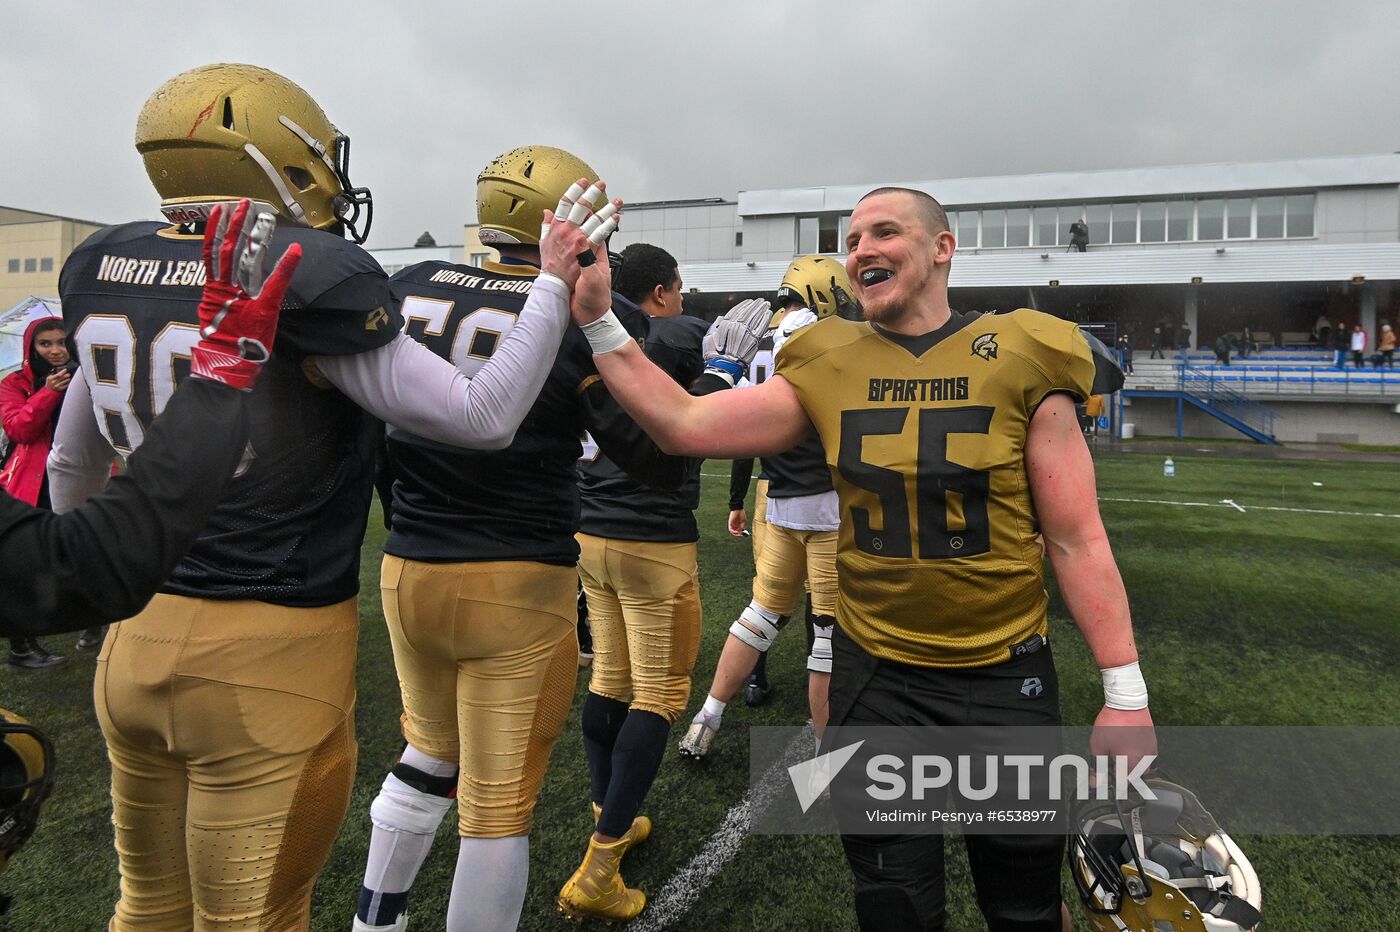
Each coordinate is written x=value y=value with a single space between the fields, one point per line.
x=1168 y=468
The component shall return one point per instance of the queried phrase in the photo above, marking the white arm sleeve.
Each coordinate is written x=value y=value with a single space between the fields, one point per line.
x=407 y=385
x=80 y=459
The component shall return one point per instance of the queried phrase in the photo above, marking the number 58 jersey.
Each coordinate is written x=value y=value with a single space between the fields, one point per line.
x=289 y=525
x=925 y=438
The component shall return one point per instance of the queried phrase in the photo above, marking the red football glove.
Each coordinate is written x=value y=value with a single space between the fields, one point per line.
x=238 y=311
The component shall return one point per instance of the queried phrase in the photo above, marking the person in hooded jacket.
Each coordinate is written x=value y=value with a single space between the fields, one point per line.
x=30 y=399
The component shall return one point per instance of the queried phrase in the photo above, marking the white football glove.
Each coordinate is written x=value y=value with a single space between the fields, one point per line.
x=732 y=340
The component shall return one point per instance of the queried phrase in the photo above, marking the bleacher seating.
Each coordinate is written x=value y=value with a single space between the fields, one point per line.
x=1276 y=372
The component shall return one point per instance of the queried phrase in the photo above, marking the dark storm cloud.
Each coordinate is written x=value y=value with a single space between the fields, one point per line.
x=701 y=99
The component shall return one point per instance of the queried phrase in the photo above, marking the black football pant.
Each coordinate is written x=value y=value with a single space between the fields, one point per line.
x=899 y=878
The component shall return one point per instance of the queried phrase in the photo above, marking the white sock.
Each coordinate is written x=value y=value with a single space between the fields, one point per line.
x=404 y=821
x=713 y=710
x=488 y=888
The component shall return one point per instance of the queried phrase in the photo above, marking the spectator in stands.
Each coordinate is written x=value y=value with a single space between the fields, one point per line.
x=1157 y=341
x=1247 y=344
x=1183 y=338
x=1340 y=343
x=1385 y=347
x=1358 y=346
x=1125 y=353
x=1223 y=345
x=30 y=398
x=1322 y=331
x=1079 y=235
x=1168 y=334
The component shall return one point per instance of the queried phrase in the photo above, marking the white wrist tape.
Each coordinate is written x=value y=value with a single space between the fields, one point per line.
x=1124 y=688
x=606 y=334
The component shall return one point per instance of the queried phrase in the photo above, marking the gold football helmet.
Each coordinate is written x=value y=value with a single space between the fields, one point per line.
x=514 y=191
x=223 y=132
x=26 y=777
x=1161 y=865
x=821 y=284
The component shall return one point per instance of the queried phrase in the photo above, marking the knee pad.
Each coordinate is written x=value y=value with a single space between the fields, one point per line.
x=819 y=660
x=891 y=909
x=413 y=801
x=758 y=627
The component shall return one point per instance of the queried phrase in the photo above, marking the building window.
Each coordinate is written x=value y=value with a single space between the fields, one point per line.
x=1239 y=217
x=1098 y=216
x=1299 y=215
x=1153 y=222
x=46 y=264
x=13 y=265
x=967 y=229
x=806 y=235
x=478 y=259
x=843 y=231
x=1179 y=221
x=1125 y=223
x=1269 y=217
x=738 y=237
x=1018 y=227
x=1047 y=221
x=31 y=265
x=993 y=228
x=1210 y=219
x=828 y=233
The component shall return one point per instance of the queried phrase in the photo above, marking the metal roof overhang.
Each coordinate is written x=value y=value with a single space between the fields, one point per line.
x=1113 y=184
x=1294 y=262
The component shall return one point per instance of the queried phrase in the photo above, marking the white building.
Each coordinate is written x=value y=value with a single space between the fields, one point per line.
x=1216 y=248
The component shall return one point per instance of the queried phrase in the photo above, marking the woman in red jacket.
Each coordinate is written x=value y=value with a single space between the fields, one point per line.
x=30 y=399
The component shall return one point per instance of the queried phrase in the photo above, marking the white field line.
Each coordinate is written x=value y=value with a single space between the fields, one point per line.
x=1230 y=503
x=1226 y=503
x=683 y=890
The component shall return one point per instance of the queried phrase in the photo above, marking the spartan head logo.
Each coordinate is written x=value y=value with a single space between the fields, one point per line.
x=985 y=346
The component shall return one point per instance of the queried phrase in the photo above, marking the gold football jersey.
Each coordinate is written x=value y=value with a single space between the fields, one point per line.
x=925 y=437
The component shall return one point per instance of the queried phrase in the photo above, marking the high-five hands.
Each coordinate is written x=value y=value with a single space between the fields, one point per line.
x=573 y=237
x=732 y=340
x=572 y=241
x=239 y=309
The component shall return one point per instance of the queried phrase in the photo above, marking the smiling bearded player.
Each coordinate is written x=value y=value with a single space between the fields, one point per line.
x=941 y=611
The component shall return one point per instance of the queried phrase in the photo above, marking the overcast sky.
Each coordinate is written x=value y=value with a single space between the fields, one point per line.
x=686 y=99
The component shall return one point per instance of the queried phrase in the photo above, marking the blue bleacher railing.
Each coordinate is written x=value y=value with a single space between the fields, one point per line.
x=1205 y=387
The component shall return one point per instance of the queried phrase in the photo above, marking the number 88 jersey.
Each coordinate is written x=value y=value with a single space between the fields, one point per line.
x=280 y=533
x=925 y=437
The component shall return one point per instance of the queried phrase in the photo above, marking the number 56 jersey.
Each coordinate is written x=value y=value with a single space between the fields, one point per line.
x=289 y=525
x=938 y=561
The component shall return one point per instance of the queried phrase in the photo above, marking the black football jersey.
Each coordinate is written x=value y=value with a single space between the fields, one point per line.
x=520 y=503
x=615 y=505
x=289 y=526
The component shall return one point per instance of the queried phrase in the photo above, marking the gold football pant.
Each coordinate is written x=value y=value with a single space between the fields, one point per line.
x=644 y=609
x=230 y=730
x=487 y=658
x=789 y=558
x=760 y=519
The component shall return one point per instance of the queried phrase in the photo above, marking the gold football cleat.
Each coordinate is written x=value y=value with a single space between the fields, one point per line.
x=638 y=832
x=597 y=891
